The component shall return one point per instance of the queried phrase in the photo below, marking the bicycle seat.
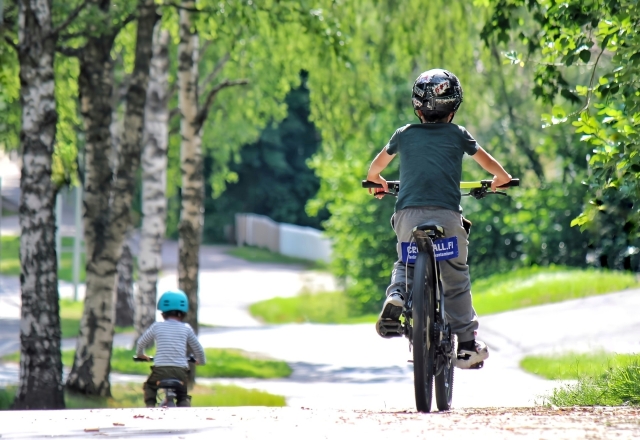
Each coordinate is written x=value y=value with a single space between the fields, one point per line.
x=436 y=230
x=169 y=383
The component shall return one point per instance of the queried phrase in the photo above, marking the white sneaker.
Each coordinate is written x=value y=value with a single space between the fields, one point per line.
x=472 y=359
x=390 y=316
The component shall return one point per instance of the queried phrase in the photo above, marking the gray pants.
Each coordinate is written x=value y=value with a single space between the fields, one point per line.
x=454 y=272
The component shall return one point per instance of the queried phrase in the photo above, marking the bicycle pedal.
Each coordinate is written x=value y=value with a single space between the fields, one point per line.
x=390 y=329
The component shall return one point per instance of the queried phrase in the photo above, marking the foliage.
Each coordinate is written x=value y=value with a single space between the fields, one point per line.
x=272 y=175
x=266 y=44
x=589 y=54
x=9 y=89
x=368 y=100
x=577 y=365
x=130 y=396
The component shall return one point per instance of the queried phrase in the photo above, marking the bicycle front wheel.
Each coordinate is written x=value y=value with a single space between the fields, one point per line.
x=423 y=313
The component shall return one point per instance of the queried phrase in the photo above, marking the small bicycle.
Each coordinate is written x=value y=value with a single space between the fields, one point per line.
x=167 y=387
x=424 y=321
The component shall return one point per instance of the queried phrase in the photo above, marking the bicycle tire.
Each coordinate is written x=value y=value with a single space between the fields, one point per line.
x=444 y=380
x=423 y=313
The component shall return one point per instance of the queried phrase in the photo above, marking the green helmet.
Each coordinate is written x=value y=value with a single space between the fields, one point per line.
x=173 y=300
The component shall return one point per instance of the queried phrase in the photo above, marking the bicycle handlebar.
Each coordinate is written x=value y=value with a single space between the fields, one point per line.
x=478 y=189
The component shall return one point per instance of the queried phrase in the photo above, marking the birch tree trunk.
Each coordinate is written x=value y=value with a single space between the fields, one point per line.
x=41 y=384
x=191 y=213
x=154 y=182
x=107 y=212
x=124 y=296
x=90 y=372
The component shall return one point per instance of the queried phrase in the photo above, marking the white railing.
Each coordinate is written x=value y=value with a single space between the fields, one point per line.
x=283 y=238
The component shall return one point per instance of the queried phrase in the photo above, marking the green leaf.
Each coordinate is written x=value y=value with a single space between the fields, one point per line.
x=585 y=55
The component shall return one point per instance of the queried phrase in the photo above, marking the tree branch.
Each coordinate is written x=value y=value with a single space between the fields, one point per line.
x=216 y=70
x=69 y=20
x=204 y=110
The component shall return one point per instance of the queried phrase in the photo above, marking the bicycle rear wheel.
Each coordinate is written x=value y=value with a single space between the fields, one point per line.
x=444 y=379
x=423 y=313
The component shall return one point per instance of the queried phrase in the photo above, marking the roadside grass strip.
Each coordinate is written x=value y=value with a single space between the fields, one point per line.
x=10 y=259
x=229 y=363
x=322 y=308
x=577 y=365
x=536 y=286
x=131 y=396
x=261 y=255
x=498 y=293
x=602 y=379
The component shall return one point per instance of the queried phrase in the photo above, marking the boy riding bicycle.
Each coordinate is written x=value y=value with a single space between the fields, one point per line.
x=430 y=171
x=173 y=337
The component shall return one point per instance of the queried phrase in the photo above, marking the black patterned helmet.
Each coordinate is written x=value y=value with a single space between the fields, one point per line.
x=436 y=91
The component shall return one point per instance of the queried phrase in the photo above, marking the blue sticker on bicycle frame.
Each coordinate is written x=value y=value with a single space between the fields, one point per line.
x=444 y=248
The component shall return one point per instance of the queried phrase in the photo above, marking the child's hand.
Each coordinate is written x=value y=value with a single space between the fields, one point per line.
x=498 y=181
x=378 y=192
x=144 y=356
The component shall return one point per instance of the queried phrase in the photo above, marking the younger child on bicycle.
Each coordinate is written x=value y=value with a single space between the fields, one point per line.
x=173 y=337
x=430 y=171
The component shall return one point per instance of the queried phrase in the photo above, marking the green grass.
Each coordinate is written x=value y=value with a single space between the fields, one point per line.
x=10 y=258
x=326 y=308
x=577 y=365
x=220 y=363
x=610 y=381
x=498 y=293
x=536 y=285
x=130 y=396
x=261 y=255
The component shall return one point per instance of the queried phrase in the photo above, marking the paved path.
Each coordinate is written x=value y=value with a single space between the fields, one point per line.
x=340 y=366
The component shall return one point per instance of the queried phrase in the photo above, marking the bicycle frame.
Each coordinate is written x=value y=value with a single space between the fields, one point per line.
x=428 y=331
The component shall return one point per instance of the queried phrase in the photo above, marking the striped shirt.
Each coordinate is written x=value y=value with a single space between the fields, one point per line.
x=172 y=338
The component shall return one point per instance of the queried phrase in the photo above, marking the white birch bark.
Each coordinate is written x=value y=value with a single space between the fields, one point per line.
x=192 y=209
x=154 y=182
x=107 y=197
x=41 y=384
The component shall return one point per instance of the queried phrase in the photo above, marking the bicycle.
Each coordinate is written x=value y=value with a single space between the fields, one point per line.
x=167 y=387
x=424 y=321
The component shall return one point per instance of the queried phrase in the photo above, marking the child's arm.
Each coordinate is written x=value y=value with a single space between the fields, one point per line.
x=486 y=161
x=196 y=348
x=145 y=341
x=378 y=165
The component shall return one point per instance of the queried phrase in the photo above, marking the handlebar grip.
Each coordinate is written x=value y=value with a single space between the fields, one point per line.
x=137 y=359
x=514 y=182
x=369 y=184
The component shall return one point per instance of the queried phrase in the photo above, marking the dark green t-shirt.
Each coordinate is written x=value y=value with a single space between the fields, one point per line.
x=431 y=163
